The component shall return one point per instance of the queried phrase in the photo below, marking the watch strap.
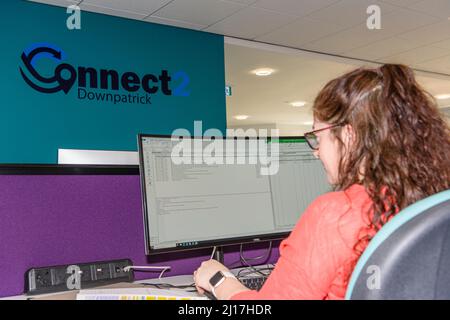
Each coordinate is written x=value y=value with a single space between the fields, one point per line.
x=226 y=274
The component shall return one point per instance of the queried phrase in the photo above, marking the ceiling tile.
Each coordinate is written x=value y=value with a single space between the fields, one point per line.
x=349 y=13
x=61 y=3
x=250 y=23
x=347 y=40
x=380 y=49
x=246 y=2
x=417 y=55
x=299 y=32
x=428 y=34
x=403 y=20
x=203 y=12
x=438 y=8
x=445 y=44
x=112 y=12
x=175 y=23
x=401 y=3
x=140 y=6
x=441 y=65
x=295 y=7
x=393 y=23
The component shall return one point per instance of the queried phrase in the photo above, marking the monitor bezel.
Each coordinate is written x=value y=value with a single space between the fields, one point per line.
x=206 y=243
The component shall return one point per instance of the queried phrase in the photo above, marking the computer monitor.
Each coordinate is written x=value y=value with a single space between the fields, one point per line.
x=188 y=206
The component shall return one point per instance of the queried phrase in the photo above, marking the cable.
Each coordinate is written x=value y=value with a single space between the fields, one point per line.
x=160 y=285
x=242 y=259
x=265 y=256
x=247 y=271
x=171 y=286
x=241 y=255
x=213 y=252
x=162 y=268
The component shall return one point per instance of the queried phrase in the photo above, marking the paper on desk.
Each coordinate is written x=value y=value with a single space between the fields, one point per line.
x=138 y=294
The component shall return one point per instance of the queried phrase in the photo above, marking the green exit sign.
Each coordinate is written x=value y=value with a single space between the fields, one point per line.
x=228 y=91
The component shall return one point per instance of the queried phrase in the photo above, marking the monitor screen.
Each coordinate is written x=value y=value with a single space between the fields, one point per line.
x=194 y=204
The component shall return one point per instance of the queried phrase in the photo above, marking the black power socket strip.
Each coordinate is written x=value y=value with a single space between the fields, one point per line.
x=77 y=276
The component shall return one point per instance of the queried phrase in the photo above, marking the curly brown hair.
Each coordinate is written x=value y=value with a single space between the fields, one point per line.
x=401 y=151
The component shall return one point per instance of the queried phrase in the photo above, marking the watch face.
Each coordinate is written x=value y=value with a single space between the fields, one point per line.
x=216 y=278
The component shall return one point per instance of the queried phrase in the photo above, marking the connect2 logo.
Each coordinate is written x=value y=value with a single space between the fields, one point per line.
x=97 y=84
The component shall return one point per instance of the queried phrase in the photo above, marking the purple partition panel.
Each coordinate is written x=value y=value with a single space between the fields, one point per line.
x=66 y=219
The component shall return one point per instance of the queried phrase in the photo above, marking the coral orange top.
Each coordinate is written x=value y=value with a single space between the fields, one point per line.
x=317 y=257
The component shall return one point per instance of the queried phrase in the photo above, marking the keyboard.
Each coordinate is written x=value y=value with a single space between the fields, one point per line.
x=253 y=283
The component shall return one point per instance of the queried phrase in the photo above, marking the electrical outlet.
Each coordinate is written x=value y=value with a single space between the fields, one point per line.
x=59 y=276
x=118 y=269
x=39 y=278
x=102 y=271
x=86 y=273
x=56 y=278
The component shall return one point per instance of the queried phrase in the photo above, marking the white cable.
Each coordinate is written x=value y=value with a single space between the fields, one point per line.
x=214 y=251
x=265 y=256
x=162 y=268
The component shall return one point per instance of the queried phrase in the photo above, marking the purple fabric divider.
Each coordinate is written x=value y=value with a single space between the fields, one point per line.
x=66 y=219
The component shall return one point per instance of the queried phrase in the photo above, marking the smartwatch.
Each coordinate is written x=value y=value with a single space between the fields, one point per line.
x=218 y=278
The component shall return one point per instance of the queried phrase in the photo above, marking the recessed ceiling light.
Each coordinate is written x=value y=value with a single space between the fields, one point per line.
x=443 y=96
x=241 y=117
x=263 y=72
x=298 y=103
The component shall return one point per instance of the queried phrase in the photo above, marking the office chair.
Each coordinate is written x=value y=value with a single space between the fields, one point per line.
x=409 y=257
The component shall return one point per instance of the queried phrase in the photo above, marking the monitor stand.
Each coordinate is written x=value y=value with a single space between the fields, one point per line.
x=218 y=254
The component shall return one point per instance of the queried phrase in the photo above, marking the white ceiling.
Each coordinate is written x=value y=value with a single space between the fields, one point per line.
x=414 y=32
x=299 y=76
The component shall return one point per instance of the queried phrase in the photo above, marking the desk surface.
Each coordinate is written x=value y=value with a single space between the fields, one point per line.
x=71 y=295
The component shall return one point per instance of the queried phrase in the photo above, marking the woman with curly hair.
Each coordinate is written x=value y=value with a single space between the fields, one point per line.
x=384 y=145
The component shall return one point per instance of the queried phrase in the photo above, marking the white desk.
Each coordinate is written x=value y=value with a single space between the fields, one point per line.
x=71 y=295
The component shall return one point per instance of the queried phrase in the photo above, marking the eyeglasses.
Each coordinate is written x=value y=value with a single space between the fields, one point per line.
x=311 y=137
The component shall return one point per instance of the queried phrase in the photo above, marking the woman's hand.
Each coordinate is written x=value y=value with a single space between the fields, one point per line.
x=206 y=270
x=226 y=290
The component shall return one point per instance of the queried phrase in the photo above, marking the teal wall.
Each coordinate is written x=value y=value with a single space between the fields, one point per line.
x=33 y=125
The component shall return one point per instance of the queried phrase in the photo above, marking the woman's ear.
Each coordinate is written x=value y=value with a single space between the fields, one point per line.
x=348 y=135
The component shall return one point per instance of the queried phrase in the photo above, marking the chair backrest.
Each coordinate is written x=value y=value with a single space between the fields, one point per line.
x=409 y=257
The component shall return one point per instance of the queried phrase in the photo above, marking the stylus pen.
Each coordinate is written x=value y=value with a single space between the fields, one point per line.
x=209 y=295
